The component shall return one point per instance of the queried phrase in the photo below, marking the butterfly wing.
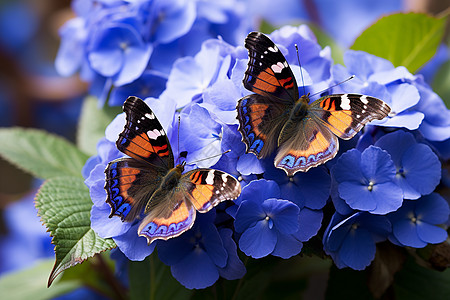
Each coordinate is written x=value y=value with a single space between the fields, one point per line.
x=205 y=188
x=309 y=144
x=130 y=182
x=174 y=213
x=143 y=137
x=346 y=114
x=129 y=185
x=260 y=121
x=177 y=216
x=268 y=74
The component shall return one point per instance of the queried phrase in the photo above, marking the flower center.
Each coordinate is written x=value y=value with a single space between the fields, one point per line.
x=123 y=46
x=401 y=172
x=240 y=178
x=370 y=186
x=269 y=221
x=291 y=179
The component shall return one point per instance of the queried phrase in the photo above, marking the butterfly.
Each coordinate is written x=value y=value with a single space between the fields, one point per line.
x=148 y=182
x=276 y=118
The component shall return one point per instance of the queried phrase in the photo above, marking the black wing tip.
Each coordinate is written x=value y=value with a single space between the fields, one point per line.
x=256 y=38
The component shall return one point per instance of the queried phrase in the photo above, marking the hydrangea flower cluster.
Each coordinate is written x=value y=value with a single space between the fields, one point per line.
x=131 y=45
x=381 y=184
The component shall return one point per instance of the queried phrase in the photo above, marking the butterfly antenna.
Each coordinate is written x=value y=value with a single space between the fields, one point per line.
x=206 y=158
x=301 y=72
x=343 y=81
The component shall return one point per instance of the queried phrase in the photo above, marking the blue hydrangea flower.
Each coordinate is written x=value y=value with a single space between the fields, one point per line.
x=310 y=189
x=415 y=223
x=119 y=51
x=436 y=124
x=366 y=181
x=201 y=136
x=418 y=169
x=199 y=256
x=377 y=77
x=191 y=76
x=149 y=84
x=236 y=162
x=267 y=223
x=351 y=240
x=121 y=40
x=315 y=60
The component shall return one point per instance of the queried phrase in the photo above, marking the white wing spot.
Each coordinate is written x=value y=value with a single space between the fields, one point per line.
x=358 y=116
x=345 y=102
x=278 y=67
x=365 y=106
x=273 y=49
x=363 y=111
x=224 y=178
x=262 y=56
x=265 y=52
x=260 y=63
x=210 y=178
x=364 y=99
x=150 y=116
x=153 y=134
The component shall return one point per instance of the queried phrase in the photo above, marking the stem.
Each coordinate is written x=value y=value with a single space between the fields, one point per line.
x=109 y=277
x=152 y=278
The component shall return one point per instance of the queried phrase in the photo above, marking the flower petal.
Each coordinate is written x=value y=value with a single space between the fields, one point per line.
x=258 y=241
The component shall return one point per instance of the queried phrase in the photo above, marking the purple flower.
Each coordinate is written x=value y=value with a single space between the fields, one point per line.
x=418 y=169
x=414 y=224
x=365 y=181
x=351 y=240
x=266 y=222
x=199 y=256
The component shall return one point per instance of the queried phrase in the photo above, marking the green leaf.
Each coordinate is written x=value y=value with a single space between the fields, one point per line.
x=42 y=154
x=64 y=206
x=408 y=40
x=30 y=284
x=416 y=282
x=92 y=124
x=151 y=279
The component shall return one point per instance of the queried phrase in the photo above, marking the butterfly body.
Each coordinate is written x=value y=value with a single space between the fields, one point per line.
x=148 y=185
x=277 y=118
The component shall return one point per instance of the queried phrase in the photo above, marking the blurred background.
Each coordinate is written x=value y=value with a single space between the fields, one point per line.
x=32 y=94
